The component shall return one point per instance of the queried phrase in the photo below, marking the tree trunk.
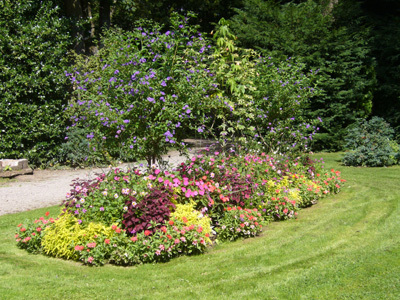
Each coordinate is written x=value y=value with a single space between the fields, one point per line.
x=73 y=9
x=104 y=14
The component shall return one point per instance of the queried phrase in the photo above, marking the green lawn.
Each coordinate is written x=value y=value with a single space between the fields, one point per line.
x=345 y=247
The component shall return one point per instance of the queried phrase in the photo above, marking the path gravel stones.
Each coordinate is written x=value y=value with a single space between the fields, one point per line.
x=49 y=187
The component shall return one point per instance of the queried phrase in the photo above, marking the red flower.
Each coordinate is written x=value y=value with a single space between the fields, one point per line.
x=147 y=232
x=242 y=225
x=91 y=245
x=79 y=248
x=114 y=227
x=134 y=239
x=107 y=241
x=22 y=229
x=184 y=220
x=19 y=225
x=47 y=214
x=199 y=229
x=169 y=236
x=39 y=229
x=171 y=222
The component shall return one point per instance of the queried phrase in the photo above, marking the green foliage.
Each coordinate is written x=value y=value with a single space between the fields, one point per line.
x=30 y=233
x=61 y=238
x=371 y=144
x=126 y=218
x=334 y=43
x=240 y=223
x=75 y=151
x=384 y=20
x=144 y=90
x=34 y=40
x=259 y=98
x=186 y=213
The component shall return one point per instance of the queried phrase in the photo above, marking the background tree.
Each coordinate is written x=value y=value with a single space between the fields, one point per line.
x=34 y=40
x=330 y=40
x=384 y=18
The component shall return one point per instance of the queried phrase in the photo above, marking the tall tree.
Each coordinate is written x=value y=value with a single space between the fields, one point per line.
x=324 y=38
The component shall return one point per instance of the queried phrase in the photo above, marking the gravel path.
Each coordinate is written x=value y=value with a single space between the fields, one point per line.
x=49 y=187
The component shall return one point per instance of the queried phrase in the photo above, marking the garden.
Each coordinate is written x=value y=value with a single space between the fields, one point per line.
x=141 y=94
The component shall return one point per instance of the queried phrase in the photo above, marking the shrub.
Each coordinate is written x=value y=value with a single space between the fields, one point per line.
x=144 y=90
x=261 y=101
x=327 y=36
x=34 y=42
x=155 y=207
x=61 y=238
x=371 y=144
x=188 y=215
x=238 y=222
x=30 y=233
x=104 y=198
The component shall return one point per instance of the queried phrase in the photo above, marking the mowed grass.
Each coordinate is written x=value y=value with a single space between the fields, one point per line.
x=345 y=247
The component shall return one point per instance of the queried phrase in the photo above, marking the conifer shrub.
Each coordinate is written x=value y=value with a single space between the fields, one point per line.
x=371 y=144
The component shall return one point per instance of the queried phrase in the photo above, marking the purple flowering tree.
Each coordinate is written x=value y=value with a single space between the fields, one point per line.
x=144 y=90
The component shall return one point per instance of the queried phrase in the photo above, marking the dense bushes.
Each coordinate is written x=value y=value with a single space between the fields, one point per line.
x=333 y=42
x=371 y=144
x=34 y=40
x=146 y=90
x=119 y=217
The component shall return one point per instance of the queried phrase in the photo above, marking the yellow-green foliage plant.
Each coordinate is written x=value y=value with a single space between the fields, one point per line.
x=187 y=214
x=61 y=238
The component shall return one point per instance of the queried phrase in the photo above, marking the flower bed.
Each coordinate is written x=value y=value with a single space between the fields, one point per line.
x=129 y=217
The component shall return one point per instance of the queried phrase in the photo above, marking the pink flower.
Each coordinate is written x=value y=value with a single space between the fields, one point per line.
x=157 y=171
x=90 y=259
x=183 y=239
x=160 y=179
x=158 y=252
x=107 y=241
x=91 y=245
x=176 y=241
x=285 y=211
x=79 y=248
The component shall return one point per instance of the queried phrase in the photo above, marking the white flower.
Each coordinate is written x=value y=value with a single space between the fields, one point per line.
x=104 y=193
x=82 y=200
x=134 y=203
x=125 y=208
x=116 y=196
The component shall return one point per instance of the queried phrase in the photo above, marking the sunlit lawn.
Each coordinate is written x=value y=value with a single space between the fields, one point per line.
x=345 y=247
